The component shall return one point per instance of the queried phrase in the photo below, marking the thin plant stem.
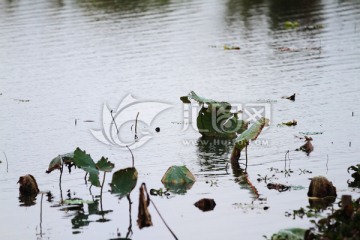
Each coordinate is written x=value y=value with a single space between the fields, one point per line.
x=101 y=190
x=246 y=157
x=132 y=155
x=136 y=137
x=287 y=154
x=41 y=201
x=61 y=172
x=117 y=129
x=327 y=161
x=130 y=219
x=167 y=226
x=7 y=164
x=85 y=177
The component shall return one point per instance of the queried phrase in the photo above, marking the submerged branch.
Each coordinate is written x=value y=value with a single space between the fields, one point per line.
x=252 y=186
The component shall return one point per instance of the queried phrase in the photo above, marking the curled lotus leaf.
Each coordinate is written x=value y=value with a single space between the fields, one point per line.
x=56 y=163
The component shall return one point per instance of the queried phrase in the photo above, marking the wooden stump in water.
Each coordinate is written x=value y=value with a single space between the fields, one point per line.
x=320 y=187
x=28 y=185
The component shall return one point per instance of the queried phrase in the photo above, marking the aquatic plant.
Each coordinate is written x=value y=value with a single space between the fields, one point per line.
x=215 y=118
x=244 y=139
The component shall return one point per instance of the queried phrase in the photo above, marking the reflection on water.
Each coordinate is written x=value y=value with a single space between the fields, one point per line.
x=213 y=154
x=81 y=216
x=27 y=200
x=273 y=13
x=133 y=6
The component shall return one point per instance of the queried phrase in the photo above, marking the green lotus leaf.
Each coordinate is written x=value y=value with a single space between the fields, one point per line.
x=124 y=181
x=215 y=118
x=178 y=175
x=85 y=162
x=250 y=134
x=104 y=165
x=289 y=234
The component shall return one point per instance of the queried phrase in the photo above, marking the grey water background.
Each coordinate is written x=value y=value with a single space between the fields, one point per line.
x=60 y=61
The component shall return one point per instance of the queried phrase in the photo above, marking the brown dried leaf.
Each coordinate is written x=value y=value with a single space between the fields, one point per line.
x=144 y=217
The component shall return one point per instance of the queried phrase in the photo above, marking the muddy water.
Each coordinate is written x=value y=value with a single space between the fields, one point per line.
x=62 y=60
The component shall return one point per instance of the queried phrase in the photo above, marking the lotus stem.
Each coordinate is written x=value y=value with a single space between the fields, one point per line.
x=136 y=137
x=7 y=164
x=132 y=155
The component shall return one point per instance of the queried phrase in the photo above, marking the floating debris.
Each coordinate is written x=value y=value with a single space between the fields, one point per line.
x=205 y=204
x=229 y=47
x=311 y=133
x=291 y=24
x=266 y=100
x=291 y=98
x=279 y=187
x=307 y=147
x=290 y=123
x=21 y=100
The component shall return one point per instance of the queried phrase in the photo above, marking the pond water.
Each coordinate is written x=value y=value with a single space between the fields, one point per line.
x=62 y=60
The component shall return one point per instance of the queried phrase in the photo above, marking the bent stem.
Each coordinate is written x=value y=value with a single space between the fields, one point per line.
x=255 y=191
x=85 y=178
x=130 y=219
x=132 y=155
x=167 y=226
